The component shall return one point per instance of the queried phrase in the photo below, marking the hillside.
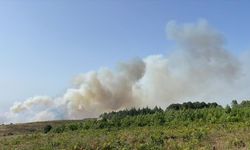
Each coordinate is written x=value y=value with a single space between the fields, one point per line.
x=180 y=126
x=32 y=127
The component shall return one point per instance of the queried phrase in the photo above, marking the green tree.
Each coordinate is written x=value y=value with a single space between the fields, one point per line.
x=234 y=103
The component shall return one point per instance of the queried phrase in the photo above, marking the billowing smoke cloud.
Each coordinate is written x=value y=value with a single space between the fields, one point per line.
x=104 y=90
x=200 y=69
x=93 y=93
x=39 y=101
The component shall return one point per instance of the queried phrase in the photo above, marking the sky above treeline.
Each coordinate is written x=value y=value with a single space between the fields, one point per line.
x=45 y=44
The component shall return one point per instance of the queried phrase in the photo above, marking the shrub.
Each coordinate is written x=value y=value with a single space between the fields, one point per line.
x=238 y=143
x=47 y=128
x=59 y=129
x=73 y=127
x=10 y=133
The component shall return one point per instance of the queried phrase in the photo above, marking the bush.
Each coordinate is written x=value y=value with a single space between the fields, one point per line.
x=47 y=128
x=238 y=143
x=59 y=129
x=73 y=127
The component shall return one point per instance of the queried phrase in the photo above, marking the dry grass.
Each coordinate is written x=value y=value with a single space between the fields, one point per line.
x=33 y=127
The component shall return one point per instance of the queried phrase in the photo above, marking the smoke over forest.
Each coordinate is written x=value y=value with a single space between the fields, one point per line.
x=200 y=68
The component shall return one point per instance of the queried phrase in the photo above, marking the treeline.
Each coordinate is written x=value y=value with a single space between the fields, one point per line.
x=193 y=105
x=185 y=114
x=130 y=112
x=147 y=110
x=244 y=103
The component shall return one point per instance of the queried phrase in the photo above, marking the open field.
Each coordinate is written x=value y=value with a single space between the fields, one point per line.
x=216 y=136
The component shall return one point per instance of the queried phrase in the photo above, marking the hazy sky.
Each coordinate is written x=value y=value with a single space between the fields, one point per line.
x=44 y=43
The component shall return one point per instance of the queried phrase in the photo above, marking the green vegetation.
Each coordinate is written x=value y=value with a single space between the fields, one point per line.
x=189 y=125
x=47 y=128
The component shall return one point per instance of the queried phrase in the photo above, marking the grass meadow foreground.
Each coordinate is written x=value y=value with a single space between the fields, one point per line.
x=180 y=126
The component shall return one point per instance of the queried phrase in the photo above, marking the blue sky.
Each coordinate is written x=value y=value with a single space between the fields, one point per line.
x=44 y=44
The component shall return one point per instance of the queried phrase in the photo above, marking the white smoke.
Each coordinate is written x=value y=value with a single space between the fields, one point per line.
x=38 y=101
x=104 y=90
x=200 y=69
x=94 y=93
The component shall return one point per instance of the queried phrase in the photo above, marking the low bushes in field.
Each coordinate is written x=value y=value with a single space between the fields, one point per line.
x=47 y=128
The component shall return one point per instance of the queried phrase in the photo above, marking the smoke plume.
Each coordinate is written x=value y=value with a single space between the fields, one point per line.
x=199 y=69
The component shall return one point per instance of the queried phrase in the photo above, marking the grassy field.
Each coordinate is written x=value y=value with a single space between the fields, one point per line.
x=194 y=136
x=30 y=128
x=206 y=128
